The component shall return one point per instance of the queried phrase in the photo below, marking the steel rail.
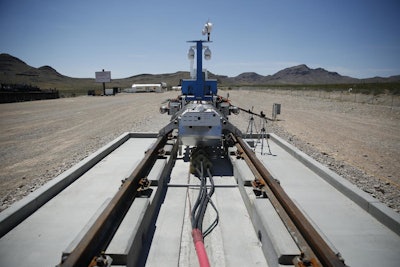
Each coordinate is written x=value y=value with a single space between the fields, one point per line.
x=321 y=249
x=102 y=231
x=259 y=183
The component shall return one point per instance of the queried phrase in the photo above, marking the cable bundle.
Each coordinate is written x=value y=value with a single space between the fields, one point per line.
x=201 y=164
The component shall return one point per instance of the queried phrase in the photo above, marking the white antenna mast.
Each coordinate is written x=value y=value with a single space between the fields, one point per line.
x=207 y=29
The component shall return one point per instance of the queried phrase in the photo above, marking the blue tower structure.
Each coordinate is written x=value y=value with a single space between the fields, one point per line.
x=199 y=114
x=200 y=88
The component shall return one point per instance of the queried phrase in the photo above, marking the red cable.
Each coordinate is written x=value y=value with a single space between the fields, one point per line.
x=200 y=249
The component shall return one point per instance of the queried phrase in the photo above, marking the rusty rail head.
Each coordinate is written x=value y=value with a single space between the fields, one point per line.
x=321 y=249
x=102 y=231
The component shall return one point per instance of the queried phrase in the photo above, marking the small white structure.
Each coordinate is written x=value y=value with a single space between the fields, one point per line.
x=136 y=88
x=109 y=92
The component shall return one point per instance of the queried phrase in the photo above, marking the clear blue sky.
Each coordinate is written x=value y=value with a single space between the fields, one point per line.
x=129 y=37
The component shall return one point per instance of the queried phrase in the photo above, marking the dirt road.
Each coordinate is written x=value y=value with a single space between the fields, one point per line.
x=41 y=139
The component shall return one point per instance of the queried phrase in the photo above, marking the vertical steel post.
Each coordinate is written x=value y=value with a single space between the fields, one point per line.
x=199 y=71
x=104 y=87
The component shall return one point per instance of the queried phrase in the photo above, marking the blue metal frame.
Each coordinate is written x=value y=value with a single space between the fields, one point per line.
x=199 y=89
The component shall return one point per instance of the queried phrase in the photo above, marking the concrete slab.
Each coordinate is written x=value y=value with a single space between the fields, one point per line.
x=271 y=227
x=373 y=206
x=129 y=245
x=43 y=236
x=242 y=171
x=84 y=230
x=180 y=173
x=155 y=173
x=166 y=242
x=277 y=244
x=28 y=205
x=213 y=242
x=172 y=243
x=128 y=234
x=240 y=241
x=359 y=237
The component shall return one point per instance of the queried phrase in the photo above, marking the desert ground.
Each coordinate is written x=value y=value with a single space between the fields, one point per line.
x=359 y=140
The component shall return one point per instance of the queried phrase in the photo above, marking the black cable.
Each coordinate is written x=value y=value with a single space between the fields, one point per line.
x=202 y=211
x=215 y=222
x=202 y=201
x=212 y=190
x=198 y=201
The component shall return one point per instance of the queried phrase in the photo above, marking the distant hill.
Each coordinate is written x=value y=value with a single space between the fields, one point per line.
x=14 y=70
x=248 y=78
x=11 y=66
x=302 y=74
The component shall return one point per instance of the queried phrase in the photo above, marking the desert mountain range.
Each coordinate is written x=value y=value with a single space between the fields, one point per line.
x=14 y=70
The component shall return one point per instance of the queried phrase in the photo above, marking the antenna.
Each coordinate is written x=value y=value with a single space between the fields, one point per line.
x=207 y=29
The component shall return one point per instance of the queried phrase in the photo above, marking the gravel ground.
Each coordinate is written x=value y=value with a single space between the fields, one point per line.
x=41 y=139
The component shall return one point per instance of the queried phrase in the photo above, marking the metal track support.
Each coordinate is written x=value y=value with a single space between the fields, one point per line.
x=321 y=249
x=102 y=231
